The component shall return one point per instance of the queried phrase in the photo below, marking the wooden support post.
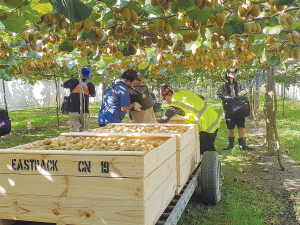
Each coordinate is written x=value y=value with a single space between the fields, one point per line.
x=4 y=94
x=269 y=111
x=56 y=99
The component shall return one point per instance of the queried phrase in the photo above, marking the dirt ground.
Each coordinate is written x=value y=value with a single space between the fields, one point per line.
x=265 y=173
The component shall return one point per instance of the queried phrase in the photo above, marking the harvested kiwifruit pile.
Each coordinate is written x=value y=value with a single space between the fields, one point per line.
x=115 y=128
x=95 y=144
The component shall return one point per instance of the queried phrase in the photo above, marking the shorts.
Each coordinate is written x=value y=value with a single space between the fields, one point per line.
x=239 y=122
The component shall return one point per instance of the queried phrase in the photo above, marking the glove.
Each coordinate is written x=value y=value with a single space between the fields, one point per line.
x=137 y=107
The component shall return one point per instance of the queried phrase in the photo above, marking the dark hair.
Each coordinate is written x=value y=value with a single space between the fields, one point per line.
x=163 y=88
x=130 y=75
x=230 y=71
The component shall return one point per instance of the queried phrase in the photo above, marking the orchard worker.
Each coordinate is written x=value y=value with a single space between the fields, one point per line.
x=141 y=94
x=78 y=120
x=227 y=92
x=192 y=109
x=116 y=101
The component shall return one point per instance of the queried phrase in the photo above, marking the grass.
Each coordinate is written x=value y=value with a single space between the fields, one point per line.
x=241 y=203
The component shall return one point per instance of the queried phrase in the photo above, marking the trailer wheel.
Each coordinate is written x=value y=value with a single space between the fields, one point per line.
x=210 y=179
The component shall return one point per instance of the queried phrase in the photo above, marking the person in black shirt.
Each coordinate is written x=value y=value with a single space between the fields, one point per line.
x=229 y=89
x=78 y=120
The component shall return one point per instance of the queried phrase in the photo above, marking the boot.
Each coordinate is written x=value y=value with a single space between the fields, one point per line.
x=231 y=143
x=243 y=145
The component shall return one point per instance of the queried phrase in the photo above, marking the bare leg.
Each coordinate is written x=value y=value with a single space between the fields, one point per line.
x=241 y=132
x=231 y=132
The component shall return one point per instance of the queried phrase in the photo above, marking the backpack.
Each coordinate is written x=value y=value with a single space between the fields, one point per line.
x=5 y=123
x=236 y=107
x=142 y=95
x=111 y=88
x=65 y=106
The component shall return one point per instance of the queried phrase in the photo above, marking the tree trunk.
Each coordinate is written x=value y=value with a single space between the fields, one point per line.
x=4 y=94
x=256 y=105
x=56 y=98
x=269 y=111
x=104 y=82
x=251 y=100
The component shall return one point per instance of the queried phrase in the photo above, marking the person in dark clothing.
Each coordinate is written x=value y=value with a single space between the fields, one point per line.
x=78 y=120
x=192 y=109
x=229 y=89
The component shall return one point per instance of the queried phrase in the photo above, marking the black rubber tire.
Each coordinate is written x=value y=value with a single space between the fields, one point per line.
x=210 y=178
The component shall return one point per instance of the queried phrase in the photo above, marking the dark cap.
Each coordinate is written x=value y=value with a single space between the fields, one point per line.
x=231 y=71
x=130 y=75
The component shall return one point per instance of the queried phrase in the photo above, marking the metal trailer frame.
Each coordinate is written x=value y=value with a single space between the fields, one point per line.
x=175 y=209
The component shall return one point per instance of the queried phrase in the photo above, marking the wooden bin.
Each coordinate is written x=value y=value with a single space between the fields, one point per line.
x=187 y=149
x=88 y=187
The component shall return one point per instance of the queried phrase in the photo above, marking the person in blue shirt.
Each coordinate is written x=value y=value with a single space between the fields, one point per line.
x=116 y=101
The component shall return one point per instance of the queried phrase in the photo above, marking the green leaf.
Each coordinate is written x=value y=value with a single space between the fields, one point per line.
x=228 y=29
x=273 y=22
x=182 y=5
x=74 y=10
x=283 y=2
x=14 y=3
x=163 y=70
x=251 y=37
x=108 y=16
x=217 y=9
x=178 y=67
x=32 y=54
x=264 y=55
x=274 y=61
x=66 y=46
x=281 y=37
x=143 y=65
x=197 y=14
x=151 y=9
x=134 y=5
x=124 y=3
x=82 y=62
x=31 y=14
x=108 y=59
x=42 y=7
x=15 y=23
x=4 y=75
x=283 y=57
x=238 y=26
x=95 y=16
x=202 y=32
x=110 y=3
x=109 y=24
x=173 y=22
x=272 y=30
x=221 y=65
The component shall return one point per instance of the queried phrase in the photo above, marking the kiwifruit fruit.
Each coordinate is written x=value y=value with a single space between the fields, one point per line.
x=193 y=35
x=298 y=14
x=279 y=7
x=258 y=28
x=290 y=20
x=30 y=37
x=219 y=25
x=53 y=39
x=125 y=29
x=56 y=18
x=47 y=18
x=273 y=10
x=209 y=3
x=296 y=54
x=132 y=32
x=75 y=43
x=271 y=2
x=134 y=17
x=282 y=19
x=247 y=28
x=221 y=18
x=161 y=25
x=126 y=14
x=100 y=32
x=160 y=43
x=161 y=2
x=212 y=18
x=167 y=29
x=201 y=7
x=204 y=23
x=197 y=24
x=178 y=60
x=270 y=39
x=183 y=61
x=87 y=26
x=79 y=24
x=254 y=11
x=290 y=53
x=27 y=47
x=165 y=46
x=166 y=6
x=110 y=32
x=214 y=37
x=198 y=2
x=221 y=40
x=64 y=23
x=142 y=43
x=45 y=39
x=154 y=39
x=189 y=22
x=186 y=38
x=170 y=42
x=279 y=49
x=118 y=30
x=154 y=3
x=73 y=33
x=253 y=28
x=241 y=12
x=148 y=42
x=22 y=49
x=295 y=35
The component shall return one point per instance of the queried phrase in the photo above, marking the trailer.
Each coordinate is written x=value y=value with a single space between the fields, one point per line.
x=120 y=187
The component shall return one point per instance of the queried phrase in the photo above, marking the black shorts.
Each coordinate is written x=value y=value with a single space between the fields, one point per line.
x=239 y=122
